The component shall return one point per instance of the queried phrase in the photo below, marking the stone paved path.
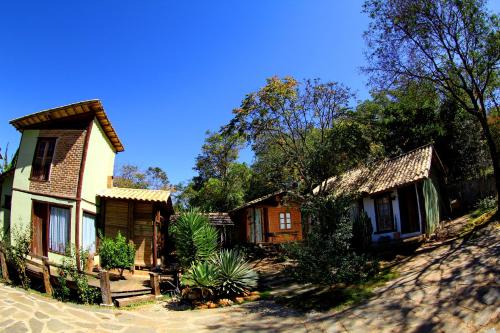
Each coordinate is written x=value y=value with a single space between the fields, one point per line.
x=454 y=288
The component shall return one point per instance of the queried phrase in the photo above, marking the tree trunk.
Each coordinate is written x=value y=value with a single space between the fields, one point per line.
x=493 y=153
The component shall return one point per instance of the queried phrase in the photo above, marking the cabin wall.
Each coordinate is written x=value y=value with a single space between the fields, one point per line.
x=277 y=235
x=369 y=207
x=5 y=190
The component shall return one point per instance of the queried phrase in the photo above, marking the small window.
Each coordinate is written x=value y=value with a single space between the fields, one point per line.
x=89 y=233
x=7 y=201
x=42 y=160
x=285 y=221
x=383 y=210
x=59 y=229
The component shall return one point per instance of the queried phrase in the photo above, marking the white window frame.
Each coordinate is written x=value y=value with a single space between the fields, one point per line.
x=285 y=221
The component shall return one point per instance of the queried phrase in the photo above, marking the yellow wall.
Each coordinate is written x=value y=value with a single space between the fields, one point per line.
x=25 y=159
x=99 y=165
x=5 y=213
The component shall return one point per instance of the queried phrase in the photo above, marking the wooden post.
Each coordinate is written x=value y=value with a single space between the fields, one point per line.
x=3 y=263
x=154 y=279
x=155 y=239
x=105 y=289
x=46 y=275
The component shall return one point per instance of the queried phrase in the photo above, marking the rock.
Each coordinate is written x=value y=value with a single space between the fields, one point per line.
x=239 y=300
x=252 y=298
x=255 y=292
x=211 y=305
x=225 y=302
x=202 y=306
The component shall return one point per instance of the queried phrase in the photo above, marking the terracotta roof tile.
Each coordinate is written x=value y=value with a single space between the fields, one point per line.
x=386 y=175
x=135 y=194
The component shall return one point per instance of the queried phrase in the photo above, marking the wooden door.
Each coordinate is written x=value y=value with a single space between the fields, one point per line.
x=408 y=208
x=39 y=229
x=259 y=225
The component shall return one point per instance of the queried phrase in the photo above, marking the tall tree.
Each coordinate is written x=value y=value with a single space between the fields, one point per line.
x=453 y=44
x=131 y=176
x=301 y=123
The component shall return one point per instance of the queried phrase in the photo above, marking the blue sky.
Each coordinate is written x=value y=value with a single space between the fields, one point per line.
x=168 y=71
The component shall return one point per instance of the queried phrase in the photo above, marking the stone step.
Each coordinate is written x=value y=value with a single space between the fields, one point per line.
x=126 y=301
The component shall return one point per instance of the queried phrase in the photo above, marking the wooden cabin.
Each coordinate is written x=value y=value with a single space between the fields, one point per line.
x=142 y=217
x=274 y=218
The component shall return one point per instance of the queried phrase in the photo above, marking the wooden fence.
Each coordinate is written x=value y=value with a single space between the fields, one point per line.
x=41 y=266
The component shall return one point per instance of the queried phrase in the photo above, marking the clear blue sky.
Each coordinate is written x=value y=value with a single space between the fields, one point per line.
x=168 y=71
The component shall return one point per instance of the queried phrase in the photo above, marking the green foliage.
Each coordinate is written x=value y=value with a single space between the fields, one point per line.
x=195 y=238
x=235 y=275
x=484 y=206
x=227 y=273
x=203 y=275
x=116 y=253
x=362 y=230
x=326 y=256
x=17 y=253
x=69 y=271
x=131 y=176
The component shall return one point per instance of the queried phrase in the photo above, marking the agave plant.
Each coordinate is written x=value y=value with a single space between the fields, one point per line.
x=234 y=273
x=202 y=275
x=195 y=238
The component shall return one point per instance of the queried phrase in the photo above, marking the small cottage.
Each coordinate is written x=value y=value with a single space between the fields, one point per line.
x=403 y=197
x=274 y=218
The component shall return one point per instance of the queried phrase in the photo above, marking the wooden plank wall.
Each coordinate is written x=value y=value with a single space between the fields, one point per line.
x=143 y=233
x=116 y=219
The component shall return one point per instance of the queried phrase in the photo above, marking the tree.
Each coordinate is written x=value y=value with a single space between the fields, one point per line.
x=455 y=45
x=300 y=123
x=131 y=176
x=217 y=154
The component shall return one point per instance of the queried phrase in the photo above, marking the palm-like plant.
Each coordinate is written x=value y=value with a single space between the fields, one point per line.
x=195 y=238
x=204 y=276
x=235 y=275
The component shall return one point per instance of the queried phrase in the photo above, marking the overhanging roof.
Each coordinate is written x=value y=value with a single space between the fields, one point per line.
x=135 y=194
x=258 y=200
x=81 y=108
x=385 y=175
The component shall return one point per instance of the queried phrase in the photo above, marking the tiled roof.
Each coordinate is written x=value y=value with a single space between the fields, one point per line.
x=254 y=201
x=86 y=107
x=215 y=218
x=386 y=175
x=135 y=194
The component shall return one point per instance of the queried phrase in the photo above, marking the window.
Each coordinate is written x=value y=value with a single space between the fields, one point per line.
x=7 y=201
x=88 y=233
x=44 y=152
x=285 y=221
x=383 y=211
x=59 y=229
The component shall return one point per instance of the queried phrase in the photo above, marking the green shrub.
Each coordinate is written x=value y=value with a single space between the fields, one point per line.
x=195 y=238
x=234 y=273
x=227 y=273
x=326 y=256
x=116 y=253
x=362 y=231
x=203 y=275
x=17 y=254
x=69 y=271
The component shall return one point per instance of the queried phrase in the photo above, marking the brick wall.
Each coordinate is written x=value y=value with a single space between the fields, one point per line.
x=65 y=169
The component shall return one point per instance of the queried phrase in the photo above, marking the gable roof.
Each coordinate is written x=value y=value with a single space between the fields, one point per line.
x=215 y=218
x=258 y=200
x=386 y=175
x=81 y=108
x=135 y=194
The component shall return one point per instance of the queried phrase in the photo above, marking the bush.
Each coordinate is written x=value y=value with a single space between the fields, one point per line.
x=17 y=254
x=234 y=273
x=69 y=271
x=327 y=256
x=195 y=238
x=204 y=276
x=116 y=253
x=227 y=273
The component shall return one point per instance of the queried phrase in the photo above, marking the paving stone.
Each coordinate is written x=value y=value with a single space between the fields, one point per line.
x=18 y=327
x=57 y=325
x=36 y=325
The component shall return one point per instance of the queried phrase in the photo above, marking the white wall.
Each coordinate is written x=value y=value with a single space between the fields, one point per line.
x=369 y=207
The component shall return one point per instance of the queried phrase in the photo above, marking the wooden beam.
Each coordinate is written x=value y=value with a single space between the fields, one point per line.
x=46 y=276
x=155 y=238
x=3 y=265
x=105 y=289
x=154 y=280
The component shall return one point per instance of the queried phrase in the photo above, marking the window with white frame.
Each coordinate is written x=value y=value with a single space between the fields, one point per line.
x=285 y=221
